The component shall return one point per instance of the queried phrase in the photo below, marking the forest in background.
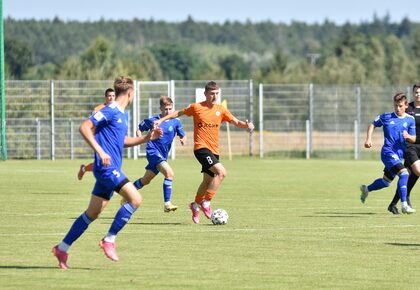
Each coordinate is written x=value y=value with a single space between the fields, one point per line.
x=377 y=52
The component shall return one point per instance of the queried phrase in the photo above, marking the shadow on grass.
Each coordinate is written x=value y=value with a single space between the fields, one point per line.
x=340 y=214
x=403 y=244
x=38 y=267
x=50 y=193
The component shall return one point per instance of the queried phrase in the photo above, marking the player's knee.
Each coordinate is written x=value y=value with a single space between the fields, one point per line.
x=387 y=183
x=136 y=201
x=221 y=174
x=93 y=214
x=169 y=174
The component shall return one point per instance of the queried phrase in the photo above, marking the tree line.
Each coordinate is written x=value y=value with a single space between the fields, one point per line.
x=375 y=52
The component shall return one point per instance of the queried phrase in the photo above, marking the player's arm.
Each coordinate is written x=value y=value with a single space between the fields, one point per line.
x=368 y=141
x=172 y=115
x=408 y=137
x=242 y=124
x=152 y=135
x=86 y=130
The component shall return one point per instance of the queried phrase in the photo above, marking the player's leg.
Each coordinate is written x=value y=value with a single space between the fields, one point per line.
x=82 y=170
x=96 y=205
x=200 y=195
x=412 y=179
x=168 y=174
x=143 y=181
x=127 y=190
x=402 y=189
x=213 y=175
x=378 y=184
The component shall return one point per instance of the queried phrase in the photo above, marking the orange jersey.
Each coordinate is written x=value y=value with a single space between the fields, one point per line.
x=207 y=123
x=98 y=108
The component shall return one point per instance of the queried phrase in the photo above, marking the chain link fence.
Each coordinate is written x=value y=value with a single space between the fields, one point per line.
x=292 y=120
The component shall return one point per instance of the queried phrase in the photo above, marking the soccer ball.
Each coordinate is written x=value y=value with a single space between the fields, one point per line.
x=219 y=217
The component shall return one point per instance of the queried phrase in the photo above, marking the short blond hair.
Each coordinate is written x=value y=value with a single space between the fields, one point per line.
x=165 y=100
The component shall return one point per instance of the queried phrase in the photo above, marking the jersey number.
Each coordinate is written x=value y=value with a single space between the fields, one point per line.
x=116 y=173
x=209 y=160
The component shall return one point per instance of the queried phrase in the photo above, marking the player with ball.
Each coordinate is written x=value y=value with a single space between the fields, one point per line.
x=207 y=116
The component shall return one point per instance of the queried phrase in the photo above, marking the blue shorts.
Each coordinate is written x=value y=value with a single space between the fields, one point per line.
x=392 y=161
x=154 y=160
x=108 y=180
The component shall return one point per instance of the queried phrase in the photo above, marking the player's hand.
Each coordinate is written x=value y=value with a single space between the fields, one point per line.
x=156 y=123
x=368 y=143
x=250 y=126
x=406 y=135
x=183 y=140
x=106 y=159
x=156 y=133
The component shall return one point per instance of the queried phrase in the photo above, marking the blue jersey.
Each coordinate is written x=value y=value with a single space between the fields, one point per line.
x=111 y=128
x=393 y=126
x=162 y=145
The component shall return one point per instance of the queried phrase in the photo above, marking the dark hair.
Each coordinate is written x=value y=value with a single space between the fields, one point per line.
x=109 y=90
x=415 y=87
x=210 y=86
x=400 y=97
x=122 y=84
x=165 y=100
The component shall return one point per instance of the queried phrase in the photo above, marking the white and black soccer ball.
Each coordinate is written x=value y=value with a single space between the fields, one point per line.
x=219 y=217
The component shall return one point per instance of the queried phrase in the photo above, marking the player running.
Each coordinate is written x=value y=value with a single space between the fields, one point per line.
x=207 y=116
x=157 y=151
x=398 y=128
x=110 y=126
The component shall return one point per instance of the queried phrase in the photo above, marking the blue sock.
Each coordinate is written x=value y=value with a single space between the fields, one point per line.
x=402 y=185
x=138 y=183
x=378 y=184
x=121 y=218
x=167 y=189
x=77 y=229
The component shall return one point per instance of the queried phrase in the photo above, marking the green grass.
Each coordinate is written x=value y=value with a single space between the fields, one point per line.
x=294 y=224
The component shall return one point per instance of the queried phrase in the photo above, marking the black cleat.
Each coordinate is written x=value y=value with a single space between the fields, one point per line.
x=409 y=201
x=393 y=209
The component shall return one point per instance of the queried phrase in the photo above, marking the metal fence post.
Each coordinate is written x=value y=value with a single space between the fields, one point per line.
x=261 y=118
x=251 y=117
x=52 y=120
x=135 y=115
x=71 y=124
x=38 y=139
x=172 y=96
x=311 y=119
x=357 y=125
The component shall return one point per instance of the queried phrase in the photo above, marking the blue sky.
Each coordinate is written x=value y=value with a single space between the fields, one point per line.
x=309 y=11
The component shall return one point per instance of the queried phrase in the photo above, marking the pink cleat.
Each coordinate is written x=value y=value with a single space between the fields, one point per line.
x=61 y=257
x=109 y=250
x=195 y=214
x=207 y=211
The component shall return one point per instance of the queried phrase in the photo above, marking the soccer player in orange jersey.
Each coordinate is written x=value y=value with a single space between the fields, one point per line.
x=208 y=116
x=109 y=98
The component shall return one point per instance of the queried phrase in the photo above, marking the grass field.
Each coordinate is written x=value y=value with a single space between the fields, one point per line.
x=294 y=224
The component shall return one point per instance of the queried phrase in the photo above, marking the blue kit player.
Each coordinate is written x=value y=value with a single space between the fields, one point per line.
x=108 y=141
x=398 y=127
x=157 y=150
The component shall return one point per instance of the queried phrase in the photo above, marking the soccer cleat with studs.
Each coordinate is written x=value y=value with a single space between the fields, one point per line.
x=364 y=192
x=61 y=257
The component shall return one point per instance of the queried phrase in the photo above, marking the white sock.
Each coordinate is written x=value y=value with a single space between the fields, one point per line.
x=63 y=247
x=110 y=238
x=195 y=206
x=167 y=202
x=205 y=203
x=404 y=204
